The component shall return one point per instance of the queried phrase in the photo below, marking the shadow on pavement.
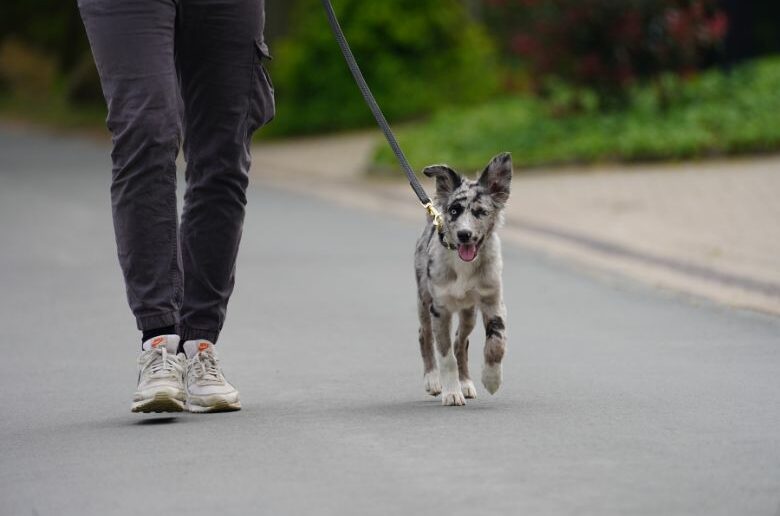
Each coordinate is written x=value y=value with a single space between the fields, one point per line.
x=157 y=421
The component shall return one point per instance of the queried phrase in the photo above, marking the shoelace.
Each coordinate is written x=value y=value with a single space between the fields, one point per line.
x=163 y=365
x=206 y=367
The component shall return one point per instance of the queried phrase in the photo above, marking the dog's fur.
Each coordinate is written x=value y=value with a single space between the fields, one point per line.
x=447 y=284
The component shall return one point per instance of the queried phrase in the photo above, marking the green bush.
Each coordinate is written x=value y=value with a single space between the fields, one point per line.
x=24 y=71
x=416 y=56
x=714 y=113
x=52 y=27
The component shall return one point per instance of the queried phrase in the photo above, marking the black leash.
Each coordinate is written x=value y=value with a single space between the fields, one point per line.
x=380 y=117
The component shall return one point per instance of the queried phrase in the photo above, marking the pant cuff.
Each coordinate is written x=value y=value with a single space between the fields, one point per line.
x=187 y=333
x=151 y=322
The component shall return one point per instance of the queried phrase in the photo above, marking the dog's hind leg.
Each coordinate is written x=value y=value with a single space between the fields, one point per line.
x=466 y=320
x=448 y=364
x=430 y=371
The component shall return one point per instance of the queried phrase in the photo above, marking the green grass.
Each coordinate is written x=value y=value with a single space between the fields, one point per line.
x=711 y=114
x=53 y=112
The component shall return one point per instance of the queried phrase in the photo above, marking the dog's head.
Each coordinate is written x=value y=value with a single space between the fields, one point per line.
x=472 y=209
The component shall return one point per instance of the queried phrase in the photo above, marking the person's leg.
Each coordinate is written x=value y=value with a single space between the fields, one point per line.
x=227 y=95
x=133 y=45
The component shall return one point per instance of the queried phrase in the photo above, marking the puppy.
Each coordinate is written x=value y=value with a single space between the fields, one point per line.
x=458 y=271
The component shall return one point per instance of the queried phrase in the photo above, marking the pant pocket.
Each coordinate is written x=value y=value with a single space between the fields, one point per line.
x=262 y=106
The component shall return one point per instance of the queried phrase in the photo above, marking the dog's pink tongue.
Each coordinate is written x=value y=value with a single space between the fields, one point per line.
x=467 y=252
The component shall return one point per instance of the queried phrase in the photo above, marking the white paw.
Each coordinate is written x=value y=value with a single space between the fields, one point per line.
x=432 y=383
x=453 y=399
x=491 y=377
x=468 y=389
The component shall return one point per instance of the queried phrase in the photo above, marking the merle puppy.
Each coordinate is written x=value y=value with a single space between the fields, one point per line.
x=458 y=271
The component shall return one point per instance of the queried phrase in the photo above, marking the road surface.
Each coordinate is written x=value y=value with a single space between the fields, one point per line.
x=618 y=399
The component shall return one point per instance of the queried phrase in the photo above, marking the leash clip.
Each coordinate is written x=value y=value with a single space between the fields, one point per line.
x=438 y=221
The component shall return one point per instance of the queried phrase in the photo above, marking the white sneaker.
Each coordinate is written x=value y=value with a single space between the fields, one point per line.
x=207 y=389
x=160 y=376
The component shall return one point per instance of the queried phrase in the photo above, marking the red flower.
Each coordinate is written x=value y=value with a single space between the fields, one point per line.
x=678 y=24
x=524 y=45
x=629 y=27
x=590 y=65
x=624 y=75
x=718 y=26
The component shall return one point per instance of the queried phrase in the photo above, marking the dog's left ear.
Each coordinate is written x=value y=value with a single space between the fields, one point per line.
x=497 y=176
x=447 y=180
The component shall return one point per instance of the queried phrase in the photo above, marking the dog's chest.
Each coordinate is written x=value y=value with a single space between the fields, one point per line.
x=459 y=292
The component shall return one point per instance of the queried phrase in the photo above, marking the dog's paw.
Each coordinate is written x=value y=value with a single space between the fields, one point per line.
x=432 y=383
x=453 y=399
x=491 y=377
x=468 y=389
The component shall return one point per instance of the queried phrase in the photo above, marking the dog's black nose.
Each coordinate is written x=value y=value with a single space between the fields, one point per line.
x=464 y=235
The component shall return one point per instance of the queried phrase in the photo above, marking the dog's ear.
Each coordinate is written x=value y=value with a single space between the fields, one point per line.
x=447 y=180
x=497 y=176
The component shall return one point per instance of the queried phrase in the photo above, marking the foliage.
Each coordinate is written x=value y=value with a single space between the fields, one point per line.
x=54 y=112
x=49 y=26
x=24 y=71
x=416 y=56
x=711 y=114
x=46 y=56
x=607 y=46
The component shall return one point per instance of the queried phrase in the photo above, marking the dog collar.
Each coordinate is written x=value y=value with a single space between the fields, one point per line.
x=446 y=244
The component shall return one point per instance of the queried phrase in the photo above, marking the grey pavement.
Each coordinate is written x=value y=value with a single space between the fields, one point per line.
x=618 y=399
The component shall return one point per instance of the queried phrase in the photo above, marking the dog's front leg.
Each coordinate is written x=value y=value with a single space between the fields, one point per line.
x=448 y=365
x=494 y=316
x=465 y=325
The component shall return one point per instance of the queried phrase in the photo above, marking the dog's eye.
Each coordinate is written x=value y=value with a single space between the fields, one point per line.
x=456 y=210
x=479 y=212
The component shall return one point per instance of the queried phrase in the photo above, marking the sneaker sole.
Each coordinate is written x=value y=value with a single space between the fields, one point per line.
x=219 y=406
x=162 y=402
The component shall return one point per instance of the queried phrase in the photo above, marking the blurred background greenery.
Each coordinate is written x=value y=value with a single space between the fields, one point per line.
x=554 y=81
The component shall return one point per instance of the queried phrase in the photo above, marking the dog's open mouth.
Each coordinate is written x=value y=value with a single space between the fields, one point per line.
x=467 y=252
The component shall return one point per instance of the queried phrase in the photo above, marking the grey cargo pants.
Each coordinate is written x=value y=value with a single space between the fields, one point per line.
x=167 y=68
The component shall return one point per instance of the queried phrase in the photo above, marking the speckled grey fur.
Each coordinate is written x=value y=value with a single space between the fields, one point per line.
x=448 y=285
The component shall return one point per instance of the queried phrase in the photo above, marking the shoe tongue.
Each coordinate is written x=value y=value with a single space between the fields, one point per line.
x=193 y=347
x=169 y=342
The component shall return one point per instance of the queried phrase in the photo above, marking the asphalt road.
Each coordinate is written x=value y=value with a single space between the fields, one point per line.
x=617 y=399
